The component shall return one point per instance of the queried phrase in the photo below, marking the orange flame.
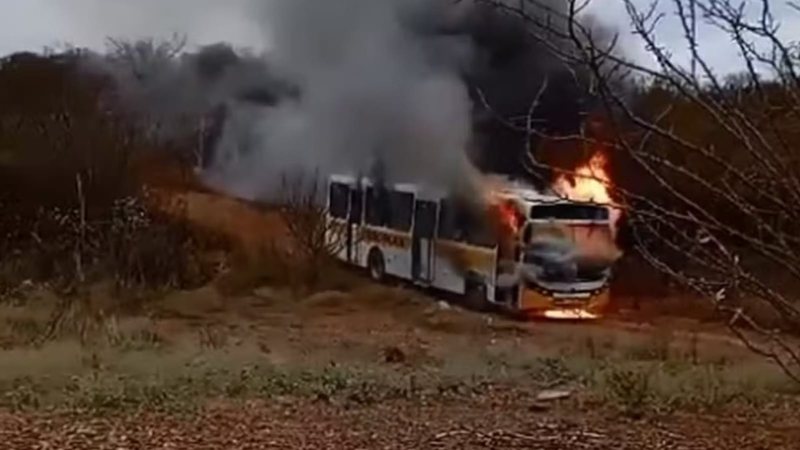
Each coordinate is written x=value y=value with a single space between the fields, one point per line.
x=569 y=314
x=509 y=216
x=590 y=183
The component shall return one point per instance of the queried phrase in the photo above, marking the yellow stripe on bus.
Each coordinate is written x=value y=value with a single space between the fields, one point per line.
x=464 y=256
x=469 y=257
x=389 y=238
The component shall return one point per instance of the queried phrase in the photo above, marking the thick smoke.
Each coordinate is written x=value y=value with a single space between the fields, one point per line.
x=514 y=58
x=370 y=90
x=172 y=91
x=351 y=83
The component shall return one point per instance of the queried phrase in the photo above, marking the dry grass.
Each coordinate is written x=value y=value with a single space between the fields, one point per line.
x=366 y=345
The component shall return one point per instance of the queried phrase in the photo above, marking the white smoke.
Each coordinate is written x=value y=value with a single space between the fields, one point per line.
x=370 y=88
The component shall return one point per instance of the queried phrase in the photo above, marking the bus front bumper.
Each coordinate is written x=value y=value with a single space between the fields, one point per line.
x=563 y=306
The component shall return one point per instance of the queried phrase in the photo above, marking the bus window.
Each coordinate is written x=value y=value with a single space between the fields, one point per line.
x=356 y=205
x=376 y=208
x=569 y=212
x=401 y=207
x=458 y=223
x=338 y=200
x=477 y=230
x=448 y=224
x=425 y=219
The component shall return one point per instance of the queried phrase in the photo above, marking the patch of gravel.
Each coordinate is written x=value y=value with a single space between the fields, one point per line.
x=482 y=424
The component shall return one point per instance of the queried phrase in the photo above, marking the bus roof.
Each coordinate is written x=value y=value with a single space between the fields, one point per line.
x=510 y=189
x=343 y=179
x=532 y=195
x=416 y=188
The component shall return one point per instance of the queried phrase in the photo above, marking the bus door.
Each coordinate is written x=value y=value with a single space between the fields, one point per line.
x=506 y=277
x=422 y=238
x=354 y=219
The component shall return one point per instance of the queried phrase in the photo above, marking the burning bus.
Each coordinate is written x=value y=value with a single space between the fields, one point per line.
x=539 y=254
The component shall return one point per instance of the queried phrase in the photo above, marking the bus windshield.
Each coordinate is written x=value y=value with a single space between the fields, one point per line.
x=554 y=264
x=570 y=212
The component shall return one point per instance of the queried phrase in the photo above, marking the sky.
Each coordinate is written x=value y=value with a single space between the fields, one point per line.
x=35 y=24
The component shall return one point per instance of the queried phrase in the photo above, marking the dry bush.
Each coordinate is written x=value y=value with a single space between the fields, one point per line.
x=314 y=240
x=74 y=211
x=275 y=266
x=269 y=267
x=131 y=245
x=149 y=249
x=302 y=258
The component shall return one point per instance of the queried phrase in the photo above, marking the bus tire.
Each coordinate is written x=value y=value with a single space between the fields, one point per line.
x=475 y=296
x=376 y=265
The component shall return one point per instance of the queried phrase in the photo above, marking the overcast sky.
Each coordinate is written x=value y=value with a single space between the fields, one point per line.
x=35 y=24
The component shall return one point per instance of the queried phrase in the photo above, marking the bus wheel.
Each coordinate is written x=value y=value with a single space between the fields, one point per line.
x=475 y=296
x=375 y=265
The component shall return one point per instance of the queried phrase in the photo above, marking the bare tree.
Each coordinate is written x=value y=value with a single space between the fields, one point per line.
x=141 y=56
x=722 y=166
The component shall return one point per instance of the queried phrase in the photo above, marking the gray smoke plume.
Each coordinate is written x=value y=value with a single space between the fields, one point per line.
x=350 y=83
x=171 y=91
x=370 y=90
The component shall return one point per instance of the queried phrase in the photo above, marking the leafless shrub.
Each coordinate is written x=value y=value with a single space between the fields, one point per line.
x=315 y=240
x=631 y=390
x=301 y=254
x=74 y=208
x=132 y=245
x=717 y=208
x=148 y=249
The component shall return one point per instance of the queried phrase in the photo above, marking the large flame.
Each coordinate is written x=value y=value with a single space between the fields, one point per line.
x=590 y=183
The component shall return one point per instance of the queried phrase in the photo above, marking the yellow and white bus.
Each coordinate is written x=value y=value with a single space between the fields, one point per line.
x=424 y=236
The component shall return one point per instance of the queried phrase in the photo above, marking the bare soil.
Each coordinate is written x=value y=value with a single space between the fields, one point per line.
x=480 y=424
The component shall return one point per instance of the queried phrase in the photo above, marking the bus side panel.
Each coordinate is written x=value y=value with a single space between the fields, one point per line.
x=395 y=247
x=363 y=249
x=453 y=261
x=445 y=275
x=490 y=291
x=398 y=261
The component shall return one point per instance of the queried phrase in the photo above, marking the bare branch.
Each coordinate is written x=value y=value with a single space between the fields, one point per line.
x=723 y=174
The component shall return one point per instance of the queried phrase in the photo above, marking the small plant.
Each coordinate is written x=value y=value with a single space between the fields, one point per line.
x=630 y=390
x=330 y=384
x=133 y=340
x=212 y=338
x=550 y=372
x=21 y=395
x=24 y=331
x=710 y=390
x=591 y=347
x=240 y=385
x=658 y=347
x=366 y=393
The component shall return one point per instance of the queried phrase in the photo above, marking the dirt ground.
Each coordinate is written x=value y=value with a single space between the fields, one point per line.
x=380 y=367
x=475 y=425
